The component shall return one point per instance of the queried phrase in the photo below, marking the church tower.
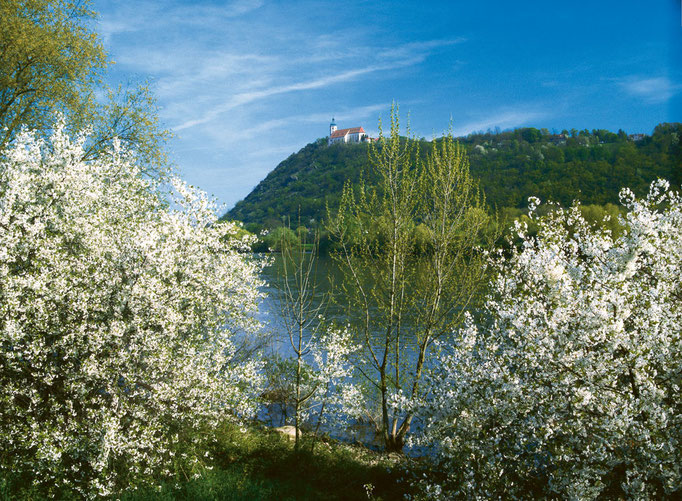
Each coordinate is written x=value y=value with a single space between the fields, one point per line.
x=332 y=127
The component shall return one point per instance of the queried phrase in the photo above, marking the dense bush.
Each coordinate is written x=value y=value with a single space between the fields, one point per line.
x=118 y=320
x=569 y=387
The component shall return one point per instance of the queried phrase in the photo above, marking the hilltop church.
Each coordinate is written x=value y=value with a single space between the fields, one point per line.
x=352 y=135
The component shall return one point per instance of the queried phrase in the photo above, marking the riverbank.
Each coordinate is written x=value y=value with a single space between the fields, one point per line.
x=258 y=463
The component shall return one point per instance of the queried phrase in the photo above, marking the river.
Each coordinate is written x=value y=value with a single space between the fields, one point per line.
x=327 y=276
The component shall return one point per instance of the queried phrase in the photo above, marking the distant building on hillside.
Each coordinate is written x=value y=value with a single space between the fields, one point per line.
x=636 y=137
x=352 y=135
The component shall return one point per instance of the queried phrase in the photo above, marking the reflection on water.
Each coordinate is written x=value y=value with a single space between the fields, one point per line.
x=325 y=275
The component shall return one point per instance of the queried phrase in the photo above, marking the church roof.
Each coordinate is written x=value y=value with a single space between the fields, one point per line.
x=343 y=132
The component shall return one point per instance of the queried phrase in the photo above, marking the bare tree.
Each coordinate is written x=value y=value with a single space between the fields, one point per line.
x=302 y=307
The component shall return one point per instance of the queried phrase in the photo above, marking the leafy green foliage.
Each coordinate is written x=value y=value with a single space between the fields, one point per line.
x=275 y=239
x=52 y=62
x=511 y=166
x=49 y=60
x=400 y=303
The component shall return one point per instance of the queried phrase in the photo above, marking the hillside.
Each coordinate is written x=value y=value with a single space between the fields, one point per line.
x=512 y=165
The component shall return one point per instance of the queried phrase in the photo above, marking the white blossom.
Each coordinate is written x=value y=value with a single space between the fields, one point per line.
x=569 y=387
x=330 y=375
x=119 y=312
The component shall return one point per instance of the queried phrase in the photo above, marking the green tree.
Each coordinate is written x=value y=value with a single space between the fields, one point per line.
x=51 y=61
x=282 y=235
x=399 y=302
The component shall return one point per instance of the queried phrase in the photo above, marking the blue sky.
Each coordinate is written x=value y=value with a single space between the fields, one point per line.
x=245 y=83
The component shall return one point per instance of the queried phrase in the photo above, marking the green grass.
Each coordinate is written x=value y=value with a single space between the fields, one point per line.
x=259 y=464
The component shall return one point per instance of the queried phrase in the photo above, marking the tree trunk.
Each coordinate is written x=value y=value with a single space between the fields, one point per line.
x=298 y=388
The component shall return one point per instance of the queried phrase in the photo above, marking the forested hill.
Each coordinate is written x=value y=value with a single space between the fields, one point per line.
x=513 y=165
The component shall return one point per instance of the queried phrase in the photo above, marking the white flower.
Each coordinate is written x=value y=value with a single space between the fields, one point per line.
x=571 y=384
x=121 y=314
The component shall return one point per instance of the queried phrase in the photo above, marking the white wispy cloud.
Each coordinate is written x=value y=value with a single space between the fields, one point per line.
x=316 y=83
x=151 y=15
x=203 y=78
x=423 y=47
x=354 y=115
x=651 y=89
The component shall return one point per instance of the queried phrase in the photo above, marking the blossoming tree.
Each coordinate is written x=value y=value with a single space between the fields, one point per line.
x=121 y=312
x=570 y=385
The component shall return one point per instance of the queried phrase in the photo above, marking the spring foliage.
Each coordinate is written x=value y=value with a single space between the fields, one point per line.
x=52 y=61
x=570 y=387
x=119 y=317
x=400 y=301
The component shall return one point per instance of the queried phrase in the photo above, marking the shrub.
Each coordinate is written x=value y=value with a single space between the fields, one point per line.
x=119 y=312
x=570 y=386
